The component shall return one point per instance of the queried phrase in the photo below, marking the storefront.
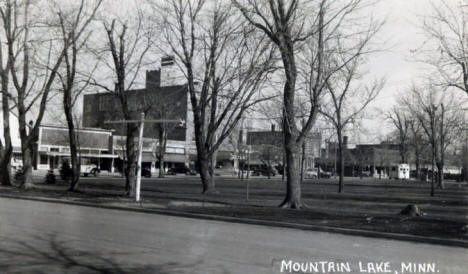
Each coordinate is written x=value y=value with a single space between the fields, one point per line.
x=175 y=153
x=94 y=147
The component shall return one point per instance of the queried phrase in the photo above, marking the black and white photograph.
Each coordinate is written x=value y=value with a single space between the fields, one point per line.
x=234 y=136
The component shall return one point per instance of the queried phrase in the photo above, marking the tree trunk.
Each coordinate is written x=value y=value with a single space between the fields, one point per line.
x=290 y=132
x=402 y=151
x=302 y=161
x=162 y=149
x=417 y=163
x=130 y=175
x=6 y=151
x=75 y=162
x=27 y=182
x=432 y=175
x=5 y=167
x=5 y=158
x=440 y=175
x=284 y=166
x=341 y=163
x=161 y=165
x=212 y=172
x=293 y=183
x=204 y=166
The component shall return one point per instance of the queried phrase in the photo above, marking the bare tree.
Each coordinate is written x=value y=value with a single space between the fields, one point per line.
x=74 y=25
x=128 y=43
x=447 y=47
x=34 y=63
x=440 y=119
x=401 y=120
x=347 y=102
x=225 y=64
x=283 y=24
x=289 y=25
x=418 y=143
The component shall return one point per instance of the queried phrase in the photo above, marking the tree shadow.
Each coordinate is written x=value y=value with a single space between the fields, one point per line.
x=48 y=254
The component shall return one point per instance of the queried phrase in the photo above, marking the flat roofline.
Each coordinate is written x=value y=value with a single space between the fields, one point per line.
x=135 y=90
x=82 y=129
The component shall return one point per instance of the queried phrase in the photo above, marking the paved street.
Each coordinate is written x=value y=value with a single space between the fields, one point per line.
x=38 y=237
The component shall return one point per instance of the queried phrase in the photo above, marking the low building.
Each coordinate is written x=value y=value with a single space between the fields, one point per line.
x=94 y=147
x=367 y=159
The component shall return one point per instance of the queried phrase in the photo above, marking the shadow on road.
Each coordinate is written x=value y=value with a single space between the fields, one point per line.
x=48 y=254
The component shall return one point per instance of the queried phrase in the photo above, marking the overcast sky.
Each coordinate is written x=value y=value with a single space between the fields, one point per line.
x=401 y=34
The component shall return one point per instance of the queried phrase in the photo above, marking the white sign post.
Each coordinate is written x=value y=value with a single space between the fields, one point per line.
x=140 y=155
x=142 y=121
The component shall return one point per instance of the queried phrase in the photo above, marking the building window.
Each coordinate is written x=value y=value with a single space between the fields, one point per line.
x=43 y=159
x=132 y=103
x=175 y=150
x=102 y=103
x=107 y=103
x=54 y=149
x=88 y=107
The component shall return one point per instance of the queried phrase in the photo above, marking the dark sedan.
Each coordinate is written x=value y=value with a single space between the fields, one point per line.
x=181 y=170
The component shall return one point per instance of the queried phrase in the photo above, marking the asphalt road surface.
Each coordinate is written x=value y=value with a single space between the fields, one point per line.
x=39 y=237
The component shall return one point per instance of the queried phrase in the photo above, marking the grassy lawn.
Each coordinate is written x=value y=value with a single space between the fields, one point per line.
x=368 y=204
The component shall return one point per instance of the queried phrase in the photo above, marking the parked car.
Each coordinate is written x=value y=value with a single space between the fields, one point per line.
x=365 y=173
x=325 y=174
x=181 y=170
x=255 y=172
x=265 y=170
x=146 y=172
x=279 y=168
x=89 y=170
x=311 y=173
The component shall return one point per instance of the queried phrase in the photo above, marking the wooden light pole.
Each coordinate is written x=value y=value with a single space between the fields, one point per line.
x=142 y=122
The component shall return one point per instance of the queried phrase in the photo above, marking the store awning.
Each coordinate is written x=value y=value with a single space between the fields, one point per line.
x=168 y=157
x=174 y=158
x=87 y=155
x=89 y=139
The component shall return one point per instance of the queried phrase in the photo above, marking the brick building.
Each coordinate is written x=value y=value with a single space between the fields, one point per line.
x=268 y=146
x=164 y=89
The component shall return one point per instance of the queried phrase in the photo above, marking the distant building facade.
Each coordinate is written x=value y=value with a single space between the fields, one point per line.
x=268 y=146
x=165 y=88
x=94 y=147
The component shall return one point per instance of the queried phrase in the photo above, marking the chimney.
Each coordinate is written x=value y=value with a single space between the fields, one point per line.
x=345 y=141
x=170 y=73
x=272 y=127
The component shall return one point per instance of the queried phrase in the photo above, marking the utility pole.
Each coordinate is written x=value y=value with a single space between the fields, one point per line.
x=142 y=122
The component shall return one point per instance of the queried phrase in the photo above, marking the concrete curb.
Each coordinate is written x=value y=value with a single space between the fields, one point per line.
x=169 y=212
